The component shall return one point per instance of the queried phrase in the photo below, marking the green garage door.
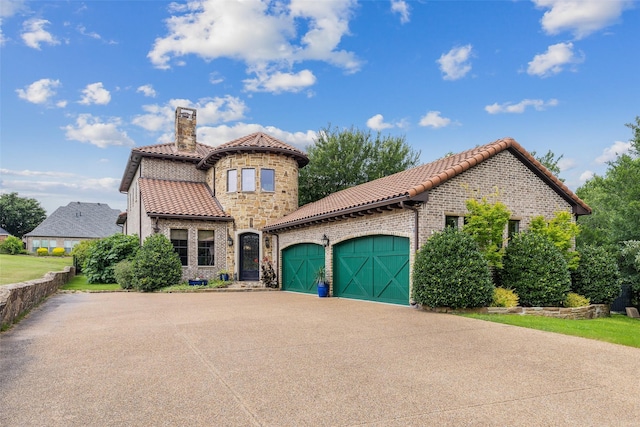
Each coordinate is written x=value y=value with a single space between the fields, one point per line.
x=374 y=268
x=299 y=266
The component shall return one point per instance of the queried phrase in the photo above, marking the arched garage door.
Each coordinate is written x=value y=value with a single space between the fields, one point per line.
x=373 y=268
x=299 y=266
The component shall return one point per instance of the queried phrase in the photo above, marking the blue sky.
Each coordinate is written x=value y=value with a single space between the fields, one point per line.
x=83 y=82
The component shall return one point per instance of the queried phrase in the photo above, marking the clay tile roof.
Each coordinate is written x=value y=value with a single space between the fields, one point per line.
x=258 y=141
x=170 y=151
x=180 y=199
x=408 y=184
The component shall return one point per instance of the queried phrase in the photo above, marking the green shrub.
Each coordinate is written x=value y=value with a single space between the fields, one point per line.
x=42 y=251
x=536 y=270
x=576 y=300
x=12 y=246
x=504 y=298
x=156 y=264
x=81 y=253
x=57 y=252
x=105 y=254
x=597 y=276
x=123 y=272
x=629 y=262
x=450 y=271
x=562 y=231
x=486 y=223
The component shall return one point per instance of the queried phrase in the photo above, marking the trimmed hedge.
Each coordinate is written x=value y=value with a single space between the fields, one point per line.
x=597 y=276
x=156 y=264
x=450 y=271
x=536 y=270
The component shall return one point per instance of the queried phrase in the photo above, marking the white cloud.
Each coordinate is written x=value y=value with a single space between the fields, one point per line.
x=586 y=176
x=280 y=82
x=377 y=123
x=39 y=91
x=553 y=60
x=565 y=164
x=264 y=35
x=454 y=64
x=147 y=90
x=401 y=8
x=520 y=107
x=434 y=120
x=95 y=93
x=215 y=78
x=580 y=17
x=161 y=118
x=609 y=154
x=94 y=131
x=61 y=103
x=33 y=33
x=216 y=135
x=11 y=7
x=27 y=172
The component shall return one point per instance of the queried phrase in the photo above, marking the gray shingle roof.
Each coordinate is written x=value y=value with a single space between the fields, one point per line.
x=3 y=232
x=77 y=219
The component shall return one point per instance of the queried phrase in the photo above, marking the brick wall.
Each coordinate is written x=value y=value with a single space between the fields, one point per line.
x=171 y=169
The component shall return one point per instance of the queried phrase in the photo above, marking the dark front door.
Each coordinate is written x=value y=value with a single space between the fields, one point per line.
x=249 y=256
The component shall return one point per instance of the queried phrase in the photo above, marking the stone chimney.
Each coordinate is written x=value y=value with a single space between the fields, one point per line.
x=186 y=129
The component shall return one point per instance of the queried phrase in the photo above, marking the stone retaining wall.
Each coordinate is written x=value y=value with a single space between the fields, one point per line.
x=592 y=311
x=19 y=298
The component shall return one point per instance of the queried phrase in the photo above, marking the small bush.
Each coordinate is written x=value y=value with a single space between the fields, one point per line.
x=576 y=300
x=629 y=262
x=42 y=251
x=57 y=252
x=12 y=246
x=450 y=271
x=105 y=254
x=123 y=271
x=504 y=298
x=597 y=276
x=536 y=270
x=81 y=253
x=156 y=264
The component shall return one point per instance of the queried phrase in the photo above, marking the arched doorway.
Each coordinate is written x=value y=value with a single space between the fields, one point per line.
x=249 y=257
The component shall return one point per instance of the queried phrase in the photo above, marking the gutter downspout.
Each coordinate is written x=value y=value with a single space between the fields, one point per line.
x=416 y=225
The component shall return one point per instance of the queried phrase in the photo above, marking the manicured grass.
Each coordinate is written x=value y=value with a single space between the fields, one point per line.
x=617 y=329
x=79 y=283
x=20 y=268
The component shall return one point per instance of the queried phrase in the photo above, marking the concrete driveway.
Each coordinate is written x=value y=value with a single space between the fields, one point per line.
x=283 y=359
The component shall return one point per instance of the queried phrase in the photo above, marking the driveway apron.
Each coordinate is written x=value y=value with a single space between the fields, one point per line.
x=288 y=359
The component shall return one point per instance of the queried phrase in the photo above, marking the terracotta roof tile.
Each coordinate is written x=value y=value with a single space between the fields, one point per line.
x=407 y=184
x=179 y=199
x=170 y=150
x=257 y=141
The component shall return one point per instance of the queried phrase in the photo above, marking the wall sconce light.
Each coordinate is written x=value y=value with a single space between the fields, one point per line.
x=267 y=243
x=325 y=240
x=229 y=241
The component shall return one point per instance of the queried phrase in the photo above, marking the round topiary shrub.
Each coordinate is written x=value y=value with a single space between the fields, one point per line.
x=123 y=271
x=156 y=264
x=57 y=252
x=504 y=298
x=597 y=276
x=575 y=300
x=536 y=270
x=450 y=271
x=42 y=251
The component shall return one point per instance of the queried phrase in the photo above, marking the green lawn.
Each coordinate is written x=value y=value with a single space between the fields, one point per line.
x=20 y=268
x=617 y=329
x=79 y=283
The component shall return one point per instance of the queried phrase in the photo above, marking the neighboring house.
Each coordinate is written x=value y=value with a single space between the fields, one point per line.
x=69 y=225
x=231 y=206
x=3 y=234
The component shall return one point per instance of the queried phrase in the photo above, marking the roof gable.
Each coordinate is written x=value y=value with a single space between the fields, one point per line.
x=412 y=183
x=179 y=199
x=78 y=219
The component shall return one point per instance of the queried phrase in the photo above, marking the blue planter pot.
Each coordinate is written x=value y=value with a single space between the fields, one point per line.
x=323 y=290
x=198 y=282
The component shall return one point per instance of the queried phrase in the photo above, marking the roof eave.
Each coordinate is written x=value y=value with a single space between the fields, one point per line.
x=191 y=217
x=216 y=155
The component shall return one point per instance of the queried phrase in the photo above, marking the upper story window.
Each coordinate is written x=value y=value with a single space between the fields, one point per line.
x=268 y=180
x=248 y=180
x=232 y=181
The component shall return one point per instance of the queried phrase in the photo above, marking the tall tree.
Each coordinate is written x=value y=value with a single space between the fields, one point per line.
x=340 y=159
x=614 y=198
x=550 y=161
x=20 y=215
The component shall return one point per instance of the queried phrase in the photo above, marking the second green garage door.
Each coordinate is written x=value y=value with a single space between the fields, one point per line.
x=299 y=266
x=373 y=268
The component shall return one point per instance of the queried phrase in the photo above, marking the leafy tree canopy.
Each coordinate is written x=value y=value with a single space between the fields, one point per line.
x=341 y=159
x=614 y=199
x=562 y=231
x=20 y=215
x=485 y=224
x=550 y=161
